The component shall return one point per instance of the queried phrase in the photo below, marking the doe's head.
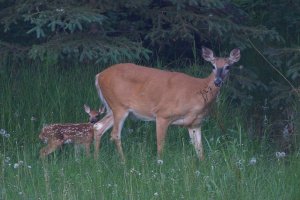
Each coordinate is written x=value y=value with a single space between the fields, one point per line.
x=221 y=66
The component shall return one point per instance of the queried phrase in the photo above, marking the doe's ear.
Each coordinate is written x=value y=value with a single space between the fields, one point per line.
x=234 y=56
x=87 y=108
x=207 y=54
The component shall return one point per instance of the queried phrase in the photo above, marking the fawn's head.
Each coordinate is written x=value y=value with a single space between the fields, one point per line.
x=220 y=65
x=94 y=116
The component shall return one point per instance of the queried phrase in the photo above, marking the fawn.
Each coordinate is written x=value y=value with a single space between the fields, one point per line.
x=55 y=135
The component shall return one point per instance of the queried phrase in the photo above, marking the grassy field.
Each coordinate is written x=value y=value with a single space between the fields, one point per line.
x=235 y=166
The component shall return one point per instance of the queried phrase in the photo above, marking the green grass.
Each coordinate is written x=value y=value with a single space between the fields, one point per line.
x=33 y=96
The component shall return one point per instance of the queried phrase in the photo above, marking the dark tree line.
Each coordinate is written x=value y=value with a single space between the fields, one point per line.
x=110 y=31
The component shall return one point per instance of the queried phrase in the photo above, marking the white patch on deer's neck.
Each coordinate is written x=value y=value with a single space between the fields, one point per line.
x=98 y=126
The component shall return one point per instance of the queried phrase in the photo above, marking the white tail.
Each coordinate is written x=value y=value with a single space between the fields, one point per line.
x=161 y=96
x=55 y=135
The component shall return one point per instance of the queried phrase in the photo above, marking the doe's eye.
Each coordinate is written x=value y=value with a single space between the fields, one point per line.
x=227 y=67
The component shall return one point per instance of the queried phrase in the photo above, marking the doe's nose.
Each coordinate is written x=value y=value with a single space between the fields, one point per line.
x=218 y=82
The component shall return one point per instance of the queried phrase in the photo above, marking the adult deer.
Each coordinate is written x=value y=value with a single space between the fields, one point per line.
x=161 y=96
x=55 y=135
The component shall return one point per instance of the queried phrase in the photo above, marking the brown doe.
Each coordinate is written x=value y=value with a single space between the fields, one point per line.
x=55 y=135
x=168 y=98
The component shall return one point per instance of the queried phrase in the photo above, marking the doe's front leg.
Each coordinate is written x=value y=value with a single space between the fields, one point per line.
x=161 y=131
x=195 y=135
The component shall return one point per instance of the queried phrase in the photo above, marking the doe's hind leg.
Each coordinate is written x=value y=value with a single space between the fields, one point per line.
x=119 y=119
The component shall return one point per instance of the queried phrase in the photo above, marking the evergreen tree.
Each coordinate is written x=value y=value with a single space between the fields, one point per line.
x=112 y=31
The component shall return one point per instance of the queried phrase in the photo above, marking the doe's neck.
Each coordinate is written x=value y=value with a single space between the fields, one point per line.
x=209 y=90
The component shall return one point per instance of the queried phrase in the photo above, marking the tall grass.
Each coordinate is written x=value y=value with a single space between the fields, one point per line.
x=234 y=168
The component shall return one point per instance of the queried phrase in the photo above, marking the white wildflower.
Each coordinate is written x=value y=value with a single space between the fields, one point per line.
x=7 y=159
x=197 y=173
x=16 y=165
x=132 y=170
x=17 y=114
x=160 y=162
x=4 y=133
x=280 y=155
x=130 y=130
x=154 y=174
x=252 y=161
x=60 y=10
x=206 y=178
x=240 y=164
x=29 y=166
x=156 y=194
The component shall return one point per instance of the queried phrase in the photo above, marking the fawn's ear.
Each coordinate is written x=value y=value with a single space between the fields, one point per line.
x=102 y=110
x=208 y=54
x=87 y=108
x=235 y=56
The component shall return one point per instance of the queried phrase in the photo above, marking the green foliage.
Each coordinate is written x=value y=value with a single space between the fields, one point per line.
x=285 y=93
x=226 y=174
x=98 y=49
x=235 y=167
x=67 y=30
x=61 y=29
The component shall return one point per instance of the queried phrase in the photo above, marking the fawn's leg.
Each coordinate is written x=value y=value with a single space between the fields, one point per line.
x=87 y=149
x=51 y=147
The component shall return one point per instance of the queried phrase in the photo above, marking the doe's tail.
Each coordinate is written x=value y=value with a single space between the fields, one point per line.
x=104 y=102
